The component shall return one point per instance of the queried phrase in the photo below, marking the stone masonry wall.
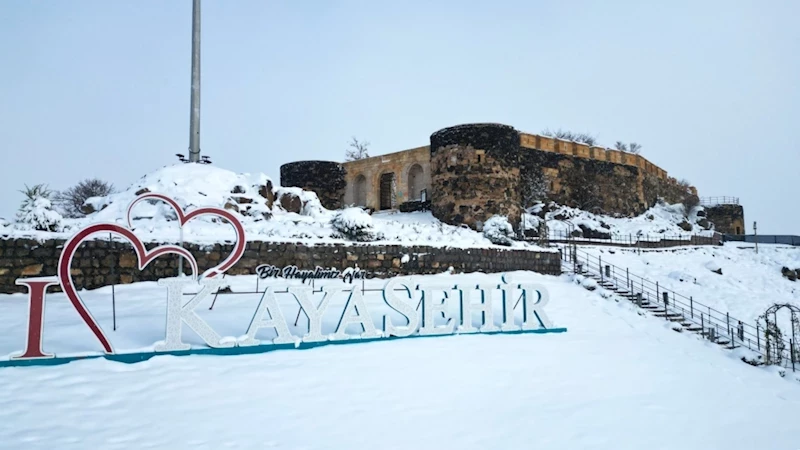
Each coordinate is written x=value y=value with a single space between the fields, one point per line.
x=727 y=219
x=588 y=184
x=325 y=178
x=102 y=263
x=475 y=174
x=399 y=163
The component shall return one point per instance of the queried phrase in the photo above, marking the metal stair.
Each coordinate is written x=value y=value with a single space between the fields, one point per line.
x=656 y=310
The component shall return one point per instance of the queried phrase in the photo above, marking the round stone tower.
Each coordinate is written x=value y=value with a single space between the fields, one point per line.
x=475 y=174
x=325 y=178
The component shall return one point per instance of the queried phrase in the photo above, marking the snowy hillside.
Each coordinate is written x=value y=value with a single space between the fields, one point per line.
x=258 y=204
x=291 y=214
x=661 y=220
x=616 y=380
x=748 y=285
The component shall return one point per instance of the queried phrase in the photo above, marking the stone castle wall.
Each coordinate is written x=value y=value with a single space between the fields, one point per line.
x=325 y=178
x=473 y=171
x=475 y=174
x=727 y=219
x=102 y=263
x=363 y=176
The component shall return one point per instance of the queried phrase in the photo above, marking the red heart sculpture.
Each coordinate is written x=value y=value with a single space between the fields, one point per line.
x=144 y=256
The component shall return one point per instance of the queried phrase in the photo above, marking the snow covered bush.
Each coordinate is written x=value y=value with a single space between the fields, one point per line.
x=72 y=201
x=498 y=230
x=353 y=224
x=36 y=211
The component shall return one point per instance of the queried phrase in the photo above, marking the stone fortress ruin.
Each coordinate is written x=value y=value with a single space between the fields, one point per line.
x=472 y=172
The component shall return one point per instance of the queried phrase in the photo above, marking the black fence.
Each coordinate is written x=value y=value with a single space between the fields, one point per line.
x=785 y=239
x=712 y=323
x=635 y=241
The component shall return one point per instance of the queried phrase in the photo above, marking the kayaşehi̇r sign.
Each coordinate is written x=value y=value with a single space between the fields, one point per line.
x=401 y=319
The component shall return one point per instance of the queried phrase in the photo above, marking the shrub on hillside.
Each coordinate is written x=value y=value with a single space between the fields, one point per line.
x=353 y=224
x=72 y=201
x=36 y=211
x=498 y=230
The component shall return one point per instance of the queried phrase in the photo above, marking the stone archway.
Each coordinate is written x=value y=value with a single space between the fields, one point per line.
x=360 y=190
x=415 y=182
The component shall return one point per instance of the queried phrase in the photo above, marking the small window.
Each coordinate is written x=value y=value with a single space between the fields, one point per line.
x=479 y=157
x=738 y=230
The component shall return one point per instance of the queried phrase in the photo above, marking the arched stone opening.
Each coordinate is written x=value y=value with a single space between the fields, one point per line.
x=415 y=182
x=360 y=191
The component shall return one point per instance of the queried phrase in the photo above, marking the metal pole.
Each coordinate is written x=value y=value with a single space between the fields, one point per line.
x=113 y=291
x=791 y=349
x=691 y=306
x=180 y=258
x=728 y=321
x=755 y=235
x=758 y=336
x=194 y=108
x=702 y=324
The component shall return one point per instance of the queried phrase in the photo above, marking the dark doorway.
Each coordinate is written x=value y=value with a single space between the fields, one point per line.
x=387 y=190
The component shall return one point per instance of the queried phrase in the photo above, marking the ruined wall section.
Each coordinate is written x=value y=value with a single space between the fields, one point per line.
x=325 y=178
x=591 y=185
x=727 y=219
x=475 y=174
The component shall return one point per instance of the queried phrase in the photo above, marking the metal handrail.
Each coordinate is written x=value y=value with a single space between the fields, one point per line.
x=645 y=241
x=714 y=201
x=724 y=325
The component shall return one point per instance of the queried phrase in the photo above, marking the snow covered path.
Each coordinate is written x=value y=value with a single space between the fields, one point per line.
x=615 y=380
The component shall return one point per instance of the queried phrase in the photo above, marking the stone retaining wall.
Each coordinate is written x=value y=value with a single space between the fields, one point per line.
x=102 y=263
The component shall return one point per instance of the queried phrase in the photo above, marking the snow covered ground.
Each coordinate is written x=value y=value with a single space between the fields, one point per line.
x=615 y=380
x=749 y=284
x=195 y=185
x=659 y=221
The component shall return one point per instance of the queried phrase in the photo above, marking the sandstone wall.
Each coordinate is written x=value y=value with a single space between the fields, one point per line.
x=325 y=178
x=475 y=174
x=102 y=263
x=399 y=163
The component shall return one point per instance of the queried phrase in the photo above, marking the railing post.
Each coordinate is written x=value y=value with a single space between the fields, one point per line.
x=628 y=279
x=600 y=266
x=758 y=336
x=791 y=349
x=657 y=292
x=608 y=271
x=728 y=321
x=702 y=324
x=691 y=306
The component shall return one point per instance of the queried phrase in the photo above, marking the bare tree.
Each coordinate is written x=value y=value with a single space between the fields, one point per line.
x=689 y=200
x=584 y=138
x=72 y=200
x=358 y=150
x=632 y=148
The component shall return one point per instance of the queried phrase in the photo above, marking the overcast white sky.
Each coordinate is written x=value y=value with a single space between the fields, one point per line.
x=710 y=89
